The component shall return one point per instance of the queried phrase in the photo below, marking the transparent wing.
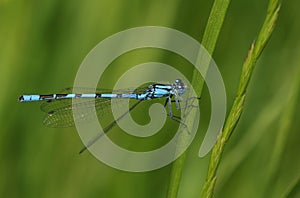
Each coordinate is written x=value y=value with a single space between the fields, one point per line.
x=60 y=112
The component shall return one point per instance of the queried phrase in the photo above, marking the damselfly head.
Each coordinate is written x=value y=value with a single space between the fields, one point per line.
x=179 y=86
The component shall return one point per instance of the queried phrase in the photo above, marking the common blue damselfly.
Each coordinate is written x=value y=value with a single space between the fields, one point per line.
x=59 y=107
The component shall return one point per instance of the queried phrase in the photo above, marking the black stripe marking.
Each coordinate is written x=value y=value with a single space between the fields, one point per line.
x=43 y=97
x=61 y=95
x=162 y=88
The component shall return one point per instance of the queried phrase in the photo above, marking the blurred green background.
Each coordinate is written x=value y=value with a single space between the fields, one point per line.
x=42 y=46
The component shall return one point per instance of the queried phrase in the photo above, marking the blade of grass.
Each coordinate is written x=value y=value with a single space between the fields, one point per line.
x=236 y=110
x=259 y=128
x=293 y=189
x=209 y=40
x=274 y=109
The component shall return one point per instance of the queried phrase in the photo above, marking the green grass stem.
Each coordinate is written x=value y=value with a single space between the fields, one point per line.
x=236 y=110
x=209 y=40
x=259 y=128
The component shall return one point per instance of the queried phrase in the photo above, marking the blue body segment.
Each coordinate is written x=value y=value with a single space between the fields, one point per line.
x=29 y=98
x=153 y=91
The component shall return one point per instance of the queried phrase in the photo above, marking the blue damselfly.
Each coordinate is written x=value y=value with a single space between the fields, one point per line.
x=59 y=106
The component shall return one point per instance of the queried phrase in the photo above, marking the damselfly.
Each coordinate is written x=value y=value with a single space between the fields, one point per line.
x=59 y=106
